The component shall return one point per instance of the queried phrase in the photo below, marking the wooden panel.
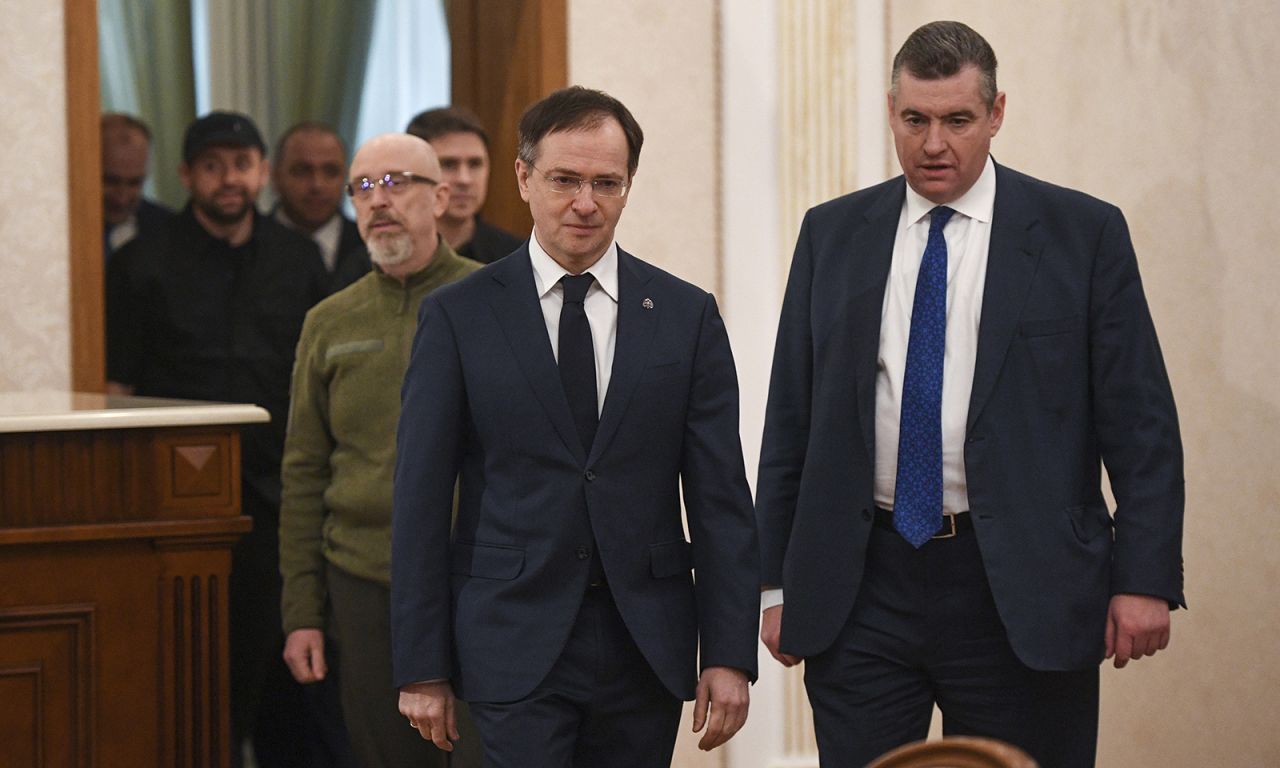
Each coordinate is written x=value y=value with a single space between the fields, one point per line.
x=507 y=54
x=193 y=617
x=21 y=715
x=117 y=475
x=196 y=472
x=84 y=196
x=46 y=696
x=115 y=550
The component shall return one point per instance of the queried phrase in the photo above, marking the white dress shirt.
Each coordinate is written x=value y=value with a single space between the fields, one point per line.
x=601 y=305
x=968 y=236
x=123 y=232
x=327 y=237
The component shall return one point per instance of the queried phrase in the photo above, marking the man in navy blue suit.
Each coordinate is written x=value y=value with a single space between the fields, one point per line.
x=961 y=348
x=573 y=392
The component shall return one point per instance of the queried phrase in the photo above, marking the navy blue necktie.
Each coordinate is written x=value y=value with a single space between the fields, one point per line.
x=577 y=357
x=917 y=498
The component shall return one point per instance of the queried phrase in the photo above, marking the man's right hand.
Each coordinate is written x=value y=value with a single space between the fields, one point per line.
x=429 y=707
x=304 y=653
x=771 y=632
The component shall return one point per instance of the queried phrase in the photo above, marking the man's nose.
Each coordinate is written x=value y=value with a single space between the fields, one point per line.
x=584 y=200
x=933 y=142
x=379 y=197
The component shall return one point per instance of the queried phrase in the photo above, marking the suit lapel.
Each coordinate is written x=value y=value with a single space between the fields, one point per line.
x=636 y=326
x=519 y=313
x=1012 y=259
x=870 y=268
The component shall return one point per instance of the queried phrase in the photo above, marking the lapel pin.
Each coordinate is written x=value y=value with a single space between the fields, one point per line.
x=647 y=303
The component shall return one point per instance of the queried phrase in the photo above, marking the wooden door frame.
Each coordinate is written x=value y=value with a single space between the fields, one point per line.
x=84 y=197
x=506 y=54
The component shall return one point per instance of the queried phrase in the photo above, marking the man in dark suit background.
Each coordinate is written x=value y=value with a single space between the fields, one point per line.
x=463 y=147
x=309 y=176
x=960 y=349
x=573 y=391
x=126 y=158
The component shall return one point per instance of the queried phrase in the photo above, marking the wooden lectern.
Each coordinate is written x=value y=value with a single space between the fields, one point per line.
x=117 y=517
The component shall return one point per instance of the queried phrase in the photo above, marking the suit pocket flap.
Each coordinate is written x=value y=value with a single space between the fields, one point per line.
x=670 y=558
x=1089 y=520
x=487 y=561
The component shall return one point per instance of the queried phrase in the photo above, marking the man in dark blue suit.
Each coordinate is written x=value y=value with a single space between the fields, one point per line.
x=572 y=392
x=960 y=349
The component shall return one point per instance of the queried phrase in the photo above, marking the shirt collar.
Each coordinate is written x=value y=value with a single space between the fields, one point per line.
x=330 y=230
x=546 y=272
x=978 y=203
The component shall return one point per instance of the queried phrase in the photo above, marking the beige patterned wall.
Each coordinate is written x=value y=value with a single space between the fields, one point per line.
x=34 y=320
x=660 y=59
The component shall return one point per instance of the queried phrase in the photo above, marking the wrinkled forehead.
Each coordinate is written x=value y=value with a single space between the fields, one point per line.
x=125 y=159
x=400 y=152
x=312 y=146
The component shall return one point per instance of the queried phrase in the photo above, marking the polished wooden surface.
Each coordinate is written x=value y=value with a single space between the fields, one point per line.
x=956 y=752
x=507 y=54
x=114 y=556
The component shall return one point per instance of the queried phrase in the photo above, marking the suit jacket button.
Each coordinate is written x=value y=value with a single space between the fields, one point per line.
x=583 y=553
x=866 y=514
x=590 y=475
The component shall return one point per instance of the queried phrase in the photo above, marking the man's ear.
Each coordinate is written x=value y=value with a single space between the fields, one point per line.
x=441 y=203
x=522 y=179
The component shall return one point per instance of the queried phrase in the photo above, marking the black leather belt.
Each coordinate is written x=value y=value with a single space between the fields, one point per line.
x=953 y=523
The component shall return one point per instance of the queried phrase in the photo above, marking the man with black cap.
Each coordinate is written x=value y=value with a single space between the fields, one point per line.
x=210 y=307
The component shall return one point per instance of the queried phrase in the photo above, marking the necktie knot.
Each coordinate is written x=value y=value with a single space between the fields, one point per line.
x=576 y=287
x=939 y=217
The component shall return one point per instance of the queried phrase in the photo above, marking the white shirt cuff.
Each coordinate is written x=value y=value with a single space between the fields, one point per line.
x=769 y=598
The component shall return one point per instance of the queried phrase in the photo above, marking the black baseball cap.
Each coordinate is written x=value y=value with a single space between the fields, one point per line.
x=220 y=129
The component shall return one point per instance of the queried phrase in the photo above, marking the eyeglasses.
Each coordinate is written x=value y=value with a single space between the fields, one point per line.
x=563 y=184
x=395 y=182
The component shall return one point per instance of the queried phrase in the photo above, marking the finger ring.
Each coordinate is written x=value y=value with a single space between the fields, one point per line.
x=415 y=725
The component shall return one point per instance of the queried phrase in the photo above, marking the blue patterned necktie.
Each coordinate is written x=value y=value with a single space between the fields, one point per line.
x=917 y=499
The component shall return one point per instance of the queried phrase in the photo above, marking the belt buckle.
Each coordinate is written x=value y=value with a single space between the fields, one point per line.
x=947 y=517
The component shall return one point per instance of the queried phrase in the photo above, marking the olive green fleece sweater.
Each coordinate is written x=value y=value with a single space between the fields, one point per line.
x=339 y=454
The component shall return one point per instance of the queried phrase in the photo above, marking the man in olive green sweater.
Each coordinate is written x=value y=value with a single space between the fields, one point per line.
x=335 y=519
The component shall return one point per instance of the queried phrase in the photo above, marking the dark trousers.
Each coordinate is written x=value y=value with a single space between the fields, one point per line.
x=359 y=631
x=600 y=705
x=924 y=631
x=287 y=724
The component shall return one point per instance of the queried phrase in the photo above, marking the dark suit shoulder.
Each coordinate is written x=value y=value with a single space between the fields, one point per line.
x=278 y=241
x=863 y=200
x=1049 y=198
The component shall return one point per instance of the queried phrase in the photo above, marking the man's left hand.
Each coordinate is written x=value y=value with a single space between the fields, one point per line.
x=725 y=691
x=1137 y=626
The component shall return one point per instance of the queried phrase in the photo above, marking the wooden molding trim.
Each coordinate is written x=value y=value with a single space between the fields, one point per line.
x=84 y=197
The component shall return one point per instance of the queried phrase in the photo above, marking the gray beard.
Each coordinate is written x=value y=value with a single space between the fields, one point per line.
x=390 y=250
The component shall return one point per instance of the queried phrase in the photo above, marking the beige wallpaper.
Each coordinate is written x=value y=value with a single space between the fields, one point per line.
x=34 y=330
x=659 y=59
x=1169 y=109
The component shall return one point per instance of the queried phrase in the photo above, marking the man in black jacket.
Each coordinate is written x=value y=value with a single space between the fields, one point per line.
x=463 y=148
x=209 y=307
